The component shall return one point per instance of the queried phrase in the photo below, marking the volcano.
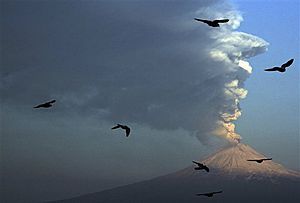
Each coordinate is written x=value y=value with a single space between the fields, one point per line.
x=230 y=172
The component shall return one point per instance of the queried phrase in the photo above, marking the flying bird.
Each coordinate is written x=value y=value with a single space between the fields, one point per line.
x=259 y=160
x=282 y=68
x=209 y=194
x=200 y=166
x=124 y=127
x=45 y=105
x=213 y=23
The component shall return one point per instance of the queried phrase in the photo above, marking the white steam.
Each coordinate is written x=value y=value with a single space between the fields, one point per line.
x=233 y=48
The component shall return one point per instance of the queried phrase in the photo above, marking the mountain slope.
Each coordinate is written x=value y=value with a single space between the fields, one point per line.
x=232 y=161
x=241 y=181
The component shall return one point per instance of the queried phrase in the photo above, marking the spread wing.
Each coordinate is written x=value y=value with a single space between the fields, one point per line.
x=41 y=105
x=115 y=127
x=53 y=101
x=201 y=165
x=203 y=21
x=272 y=69
x=127 y=129
x=267 y=159
x=252 y=160
x=38 y=106
x=217 y=192
x=50 y=102
x=195 y=162
x=287 y=64
x=221 y=21
x=45 y=104
x=202 y=194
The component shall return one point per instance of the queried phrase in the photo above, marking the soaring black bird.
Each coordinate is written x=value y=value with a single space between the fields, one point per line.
x=200 y=166
x=124 y=127
x=209 y=194
x=45 y=105
x=282 y=67
x=213 y=23
x=259 y=160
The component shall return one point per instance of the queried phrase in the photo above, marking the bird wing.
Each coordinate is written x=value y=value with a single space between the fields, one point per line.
x=272 y=69
x=217 y=192
x=38 y=106
x=221 y=21
x=206 y=168
x=203 y=21
x=267 y=159
x=252 y=160
x=195 y=162
x=115 y=127
x=53 y=101
x=287 y=64
x=200 y=194
x=41 y=105
x=127 y=131
x=45 y=104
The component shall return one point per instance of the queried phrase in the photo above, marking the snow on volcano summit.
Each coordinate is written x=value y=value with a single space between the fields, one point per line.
x=233 y=161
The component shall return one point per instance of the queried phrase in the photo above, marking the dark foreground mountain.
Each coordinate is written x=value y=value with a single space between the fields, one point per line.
x=230 y=172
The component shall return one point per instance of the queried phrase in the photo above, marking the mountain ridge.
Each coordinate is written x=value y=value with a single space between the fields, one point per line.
x=240 y=181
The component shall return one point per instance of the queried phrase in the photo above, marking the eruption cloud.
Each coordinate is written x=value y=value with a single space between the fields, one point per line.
x=233 y=49
x=163 y=71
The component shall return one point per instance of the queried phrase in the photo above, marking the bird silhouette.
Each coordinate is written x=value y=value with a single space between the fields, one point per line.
x=124 y=127
x=260 y=160
x=209 y=194
x=46 y=105
x=213 y=23
x=200 y=166
x=282 y=68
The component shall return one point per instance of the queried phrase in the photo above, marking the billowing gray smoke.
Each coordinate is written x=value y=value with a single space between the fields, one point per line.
x=170 y=72
x=137 y=62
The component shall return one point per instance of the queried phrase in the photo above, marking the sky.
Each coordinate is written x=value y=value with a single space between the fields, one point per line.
x=184 y=88
x=271 y=95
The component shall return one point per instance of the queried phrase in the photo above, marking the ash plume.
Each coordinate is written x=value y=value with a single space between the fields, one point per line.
x=162 y=70
x=233 y=49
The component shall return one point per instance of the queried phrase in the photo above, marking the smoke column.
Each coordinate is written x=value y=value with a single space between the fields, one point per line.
x=233 y=49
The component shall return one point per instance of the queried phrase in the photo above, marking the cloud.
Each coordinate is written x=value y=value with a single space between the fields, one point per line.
x=129 y=68
x=144 y=63
x=233 y=48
